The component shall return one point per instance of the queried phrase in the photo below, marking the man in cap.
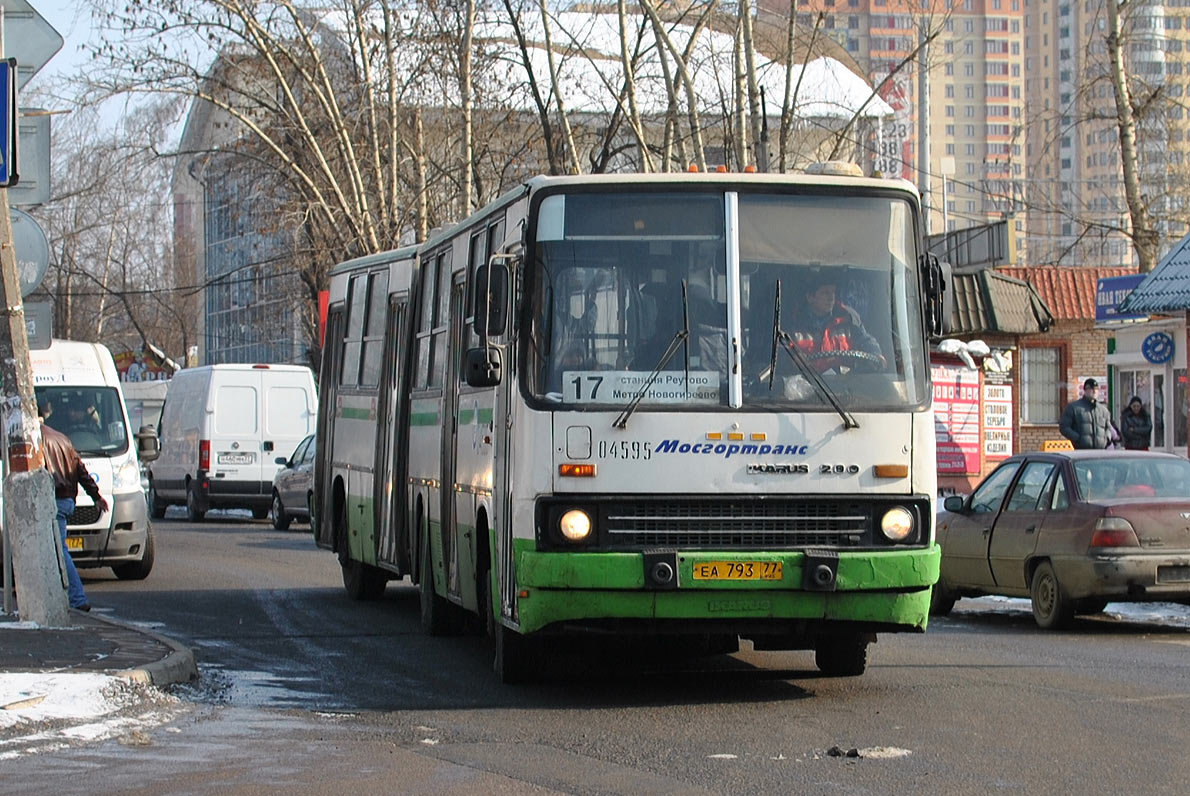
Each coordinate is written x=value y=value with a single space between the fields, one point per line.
x=1086 y=422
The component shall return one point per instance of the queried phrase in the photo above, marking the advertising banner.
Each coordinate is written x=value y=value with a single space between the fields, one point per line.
x=956 y=419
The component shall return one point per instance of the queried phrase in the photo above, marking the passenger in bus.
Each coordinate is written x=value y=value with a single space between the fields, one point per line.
x=828 y=332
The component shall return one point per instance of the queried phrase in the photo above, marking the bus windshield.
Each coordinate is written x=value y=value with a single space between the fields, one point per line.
x=823 y=282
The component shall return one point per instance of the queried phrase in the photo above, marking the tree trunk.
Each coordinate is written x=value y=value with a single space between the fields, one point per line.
x=1144 y=234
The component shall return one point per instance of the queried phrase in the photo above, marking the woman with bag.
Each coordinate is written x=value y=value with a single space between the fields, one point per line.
x=1135 y=425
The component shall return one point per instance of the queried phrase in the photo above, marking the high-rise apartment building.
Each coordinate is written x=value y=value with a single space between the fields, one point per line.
x=973 y=124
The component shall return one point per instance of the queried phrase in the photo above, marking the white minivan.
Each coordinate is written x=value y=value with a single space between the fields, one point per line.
x=78 y=386
x=222 y=429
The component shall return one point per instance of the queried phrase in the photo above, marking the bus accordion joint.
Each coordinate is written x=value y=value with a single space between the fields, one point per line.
x=576 y=470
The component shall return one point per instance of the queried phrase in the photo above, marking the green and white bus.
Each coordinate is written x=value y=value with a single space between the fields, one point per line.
x=593 y=406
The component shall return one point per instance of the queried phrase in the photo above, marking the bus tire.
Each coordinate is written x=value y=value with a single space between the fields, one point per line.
x=438 y=616
x=362 y=582
x=483 y=599
x=139 y=570
x=842 y=656
x=194 y=508
x=516 y=661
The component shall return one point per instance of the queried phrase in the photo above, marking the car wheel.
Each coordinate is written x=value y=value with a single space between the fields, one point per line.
x=942 y=599
x=139 y=570
x=194 y=508
x=842 y=656
x=1091 y=605
x=438 y=616
x=157 y=506
x=280 y=518
x=1051 y=608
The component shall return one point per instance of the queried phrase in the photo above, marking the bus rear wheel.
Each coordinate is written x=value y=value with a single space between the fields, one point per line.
x=842 y=656
x=362 y=582
x=438 y=616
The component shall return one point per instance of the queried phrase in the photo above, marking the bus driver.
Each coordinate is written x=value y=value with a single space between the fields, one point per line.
x=828 y=332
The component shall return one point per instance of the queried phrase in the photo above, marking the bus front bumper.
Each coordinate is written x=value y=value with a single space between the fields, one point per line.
x=885 y=590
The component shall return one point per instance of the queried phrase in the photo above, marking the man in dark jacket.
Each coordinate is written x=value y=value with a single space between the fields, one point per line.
x=828 y=332
x=69 y=472
x=1086 y=422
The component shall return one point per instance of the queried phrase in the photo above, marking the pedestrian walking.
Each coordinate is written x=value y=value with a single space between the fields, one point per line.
x=1086 y=422
x=69 y=472
x=1136 y=426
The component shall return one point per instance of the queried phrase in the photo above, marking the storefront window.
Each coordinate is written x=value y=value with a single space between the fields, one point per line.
x=1039 y=385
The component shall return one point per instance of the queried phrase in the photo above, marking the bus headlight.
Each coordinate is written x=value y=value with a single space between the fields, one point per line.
x=896 y=524
x=575 y=525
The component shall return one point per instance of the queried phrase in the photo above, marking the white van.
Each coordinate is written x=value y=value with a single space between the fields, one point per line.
x=222 y=429
x=79 y=386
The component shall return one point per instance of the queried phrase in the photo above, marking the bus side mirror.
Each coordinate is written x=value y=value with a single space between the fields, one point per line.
x=483 y=366
x=148 y=446
x=938 y=295
x=491 y=299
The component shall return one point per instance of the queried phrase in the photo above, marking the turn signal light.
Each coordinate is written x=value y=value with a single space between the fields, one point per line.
x=892 y=470
x=577 y=470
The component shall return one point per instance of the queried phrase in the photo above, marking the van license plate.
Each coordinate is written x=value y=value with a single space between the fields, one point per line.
x=739 y=570
x=74 y=543
x=237 y=458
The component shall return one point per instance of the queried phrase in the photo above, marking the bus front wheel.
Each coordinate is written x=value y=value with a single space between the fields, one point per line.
x=362 y=582
x=515 y=659
x=842 y=656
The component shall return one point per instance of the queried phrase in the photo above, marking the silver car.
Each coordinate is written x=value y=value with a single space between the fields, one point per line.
x=293 y=486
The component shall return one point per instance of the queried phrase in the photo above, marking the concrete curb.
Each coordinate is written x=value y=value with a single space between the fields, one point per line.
x=176 y=667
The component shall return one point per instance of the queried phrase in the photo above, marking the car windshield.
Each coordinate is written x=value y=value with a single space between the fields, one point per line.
x=93 y=417
x=1123 y=477
x=617 y=279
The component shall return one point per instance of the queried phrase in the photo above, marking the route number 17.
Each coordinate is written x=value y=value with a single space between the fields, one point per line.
x=586 y=388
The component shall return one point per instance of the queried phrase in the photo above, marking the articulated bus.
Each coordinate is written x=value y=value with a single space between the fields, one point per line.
x=594 y=407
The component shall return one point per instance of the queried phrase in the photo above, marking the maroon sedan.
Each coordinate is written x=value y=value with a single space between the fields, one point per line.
x=1072 y=530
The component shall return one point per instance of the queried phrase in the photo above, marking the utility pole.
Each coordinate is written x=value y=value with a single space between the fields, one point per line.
x=29 y=505
x=923 y=126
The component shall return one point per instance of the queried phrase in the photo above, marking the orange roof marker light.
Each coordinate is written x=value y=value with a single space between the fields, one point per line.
x=721 y=169
x=750 y=169
x=692 y=168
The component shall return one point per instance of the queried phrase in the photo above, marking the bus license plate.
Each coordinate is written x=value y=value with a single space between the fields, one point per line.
x=738 y=570
x=74 y=543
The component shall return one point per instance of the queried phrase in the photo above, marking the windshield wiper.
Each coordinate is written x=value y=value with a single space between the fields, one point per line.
x=681 y=336
x=781 y=337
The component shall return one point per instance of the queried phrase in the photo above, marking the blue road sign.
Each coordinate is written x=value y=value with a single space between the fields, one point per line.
x=8 y=122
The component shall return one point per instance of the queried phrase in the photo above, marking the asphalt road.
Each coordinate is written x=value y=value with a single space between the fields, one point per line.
x=305 y=691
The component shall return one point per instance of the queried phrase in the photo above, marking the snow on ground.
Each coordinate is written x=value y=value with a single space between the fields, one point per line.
x=1167 y=614
x=44 y=711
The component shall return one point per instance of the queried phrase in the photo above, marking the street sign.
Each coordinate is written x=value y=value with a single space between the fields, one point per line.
x=28 y=38
x=33 y=142
x=8 y=123
x=39 y=318
x=32 y=250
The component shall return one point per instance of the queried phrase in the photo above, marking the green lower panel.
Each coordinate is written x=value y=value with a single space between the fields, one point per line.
x=361 y=539
x=576 y=586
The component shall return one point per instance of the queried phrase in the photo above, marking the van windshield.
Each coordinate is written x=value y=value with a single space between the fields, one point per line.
x=93 y=417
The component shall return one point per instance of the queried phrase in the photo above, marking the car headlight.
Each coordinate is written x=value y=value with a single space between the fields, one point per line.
x=575 y=525
x=896 y=524
x=127 y=476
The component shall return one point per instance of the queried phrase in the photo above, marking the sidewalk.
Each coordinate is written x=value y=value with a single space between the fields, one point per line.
x=98 y=645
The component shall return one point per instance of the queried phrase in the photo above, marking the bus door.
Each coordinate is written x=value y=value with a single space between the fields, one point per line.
x=328 y=407
x=393 y=423
x=450 y=435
